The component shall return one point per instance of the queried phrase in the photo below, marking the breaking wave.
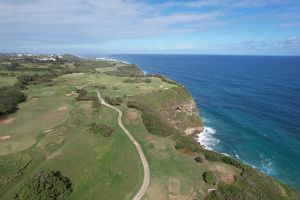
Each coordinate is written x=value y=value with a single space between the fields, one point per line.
x=207 y=139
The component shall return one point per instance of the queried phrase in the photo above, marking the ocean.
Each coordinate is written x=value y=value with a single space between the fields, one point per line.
x=250 y=105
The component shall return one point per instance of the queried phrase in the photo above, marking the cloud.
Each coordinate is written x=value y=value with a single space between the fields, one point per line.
x=290 y=24
x=228 y=3
x=38 y=21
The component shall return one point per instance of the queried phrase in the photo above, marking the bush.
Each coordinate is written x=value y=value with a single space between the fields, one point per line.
x=208 y=177
x=101 y=129
x=199 y=159
x=102 y=87
x=10 y=97
x=81 y=92
x=213 y=156
x=116 y=101
x=45 y=185
x=137 y=80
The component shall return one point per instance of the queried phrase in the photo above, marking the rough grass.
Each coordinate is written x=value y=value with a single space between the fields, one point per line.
x=34 y=117
x=13 y=166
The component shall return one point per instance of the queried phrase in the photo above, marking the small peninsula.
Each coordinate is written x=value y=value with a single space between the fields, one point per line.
x=75 y=128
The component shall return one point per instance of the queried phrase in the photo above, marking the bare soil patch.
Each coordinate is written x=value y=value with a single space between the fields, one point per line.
x=34 y=98
x=147 y=88
x=63 y=108
x=54 y=155
x=174 y=186
x=228 y=178
x=131 y=115
x=6 y=137
x=6 y=120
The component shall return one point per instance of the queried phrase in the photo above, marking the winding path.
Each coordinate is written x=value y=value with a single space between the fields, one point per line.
x=146 y=180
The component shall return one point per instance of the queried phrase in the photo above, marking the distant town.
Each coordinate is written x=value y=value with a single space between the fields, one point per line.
x=31 y=57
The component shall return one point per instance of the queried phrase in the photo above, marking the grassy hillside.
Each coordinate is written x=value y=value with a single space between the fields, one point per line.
x=55 y=130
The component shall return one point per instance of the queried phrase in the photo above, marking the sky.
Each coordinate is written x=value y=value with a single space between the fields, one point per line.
x=233 y=27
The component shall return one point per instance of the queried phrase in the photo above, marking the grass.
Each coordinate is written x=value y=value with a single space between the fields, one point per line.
x=38 y=114
x=7 y=80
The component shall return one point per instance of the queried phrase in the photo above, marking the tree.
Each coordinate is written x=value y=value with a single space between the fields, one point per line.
x=45 y=185
x=10 y=97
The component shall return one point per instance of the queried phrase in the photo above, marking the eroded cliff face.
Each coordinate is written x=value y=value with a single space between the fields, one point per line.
x=177 y=107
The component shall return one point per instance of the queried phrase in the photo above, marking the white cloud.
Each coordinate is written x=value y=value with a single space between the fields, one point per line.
x=91 y=20
x=290 y=24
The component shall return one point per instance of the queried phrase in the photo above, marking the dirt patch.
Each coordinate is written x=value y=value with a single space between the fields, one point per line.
x=174 y=186
x=147 y=88
x=7 y=120
x=63 y=108
x=132 y=115
x=6 y=137
x=159 y=145
x=35 y=98
x=54 y=155
x=228 y=178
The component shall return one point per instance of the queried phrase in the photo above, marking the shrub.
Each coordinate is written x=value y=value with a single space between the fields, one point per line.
x=10 y=97
x=116 y=101
x=45 y=185
x=81 y=92
x=133 y=104
x=101 y=129
x=199 y=159
x=102 y=87
x=208 y=177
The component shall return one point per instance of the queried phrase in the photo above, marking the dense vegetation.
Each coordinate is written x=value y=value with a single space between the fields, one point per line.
x=10 y=97
x=115 y=101
x=251 y=185
x=156 y=125
x=209 y=177
x=125 y=71
x=45 y=185
x=12 y=166
x=137 y=80
x=101 y=129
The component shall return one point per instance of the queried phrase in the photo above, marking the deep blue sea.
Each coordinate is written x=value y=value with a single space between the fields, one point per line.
x=250 y=105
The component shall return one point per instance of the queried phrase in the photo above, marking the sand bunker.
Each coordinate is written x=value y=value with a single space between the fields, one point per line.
x=6 y=137
x=63 y=108
x=34 y=98
x=48 y=131
x=7 y=120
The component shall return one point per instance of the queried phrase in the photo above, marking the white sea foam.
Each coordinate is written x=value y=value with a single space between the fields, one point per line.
x=266 y=165
x=207 y=139
x=205 y=120
x=113 y=60
x=226 y=154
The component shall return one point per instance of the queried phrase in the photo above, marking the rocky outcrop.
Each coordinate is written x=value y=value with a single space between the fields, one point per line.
x=193 y=131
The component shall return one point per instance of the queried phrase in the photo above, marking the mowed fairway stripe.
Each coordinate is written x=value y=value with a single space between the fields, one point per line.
x=146 y=181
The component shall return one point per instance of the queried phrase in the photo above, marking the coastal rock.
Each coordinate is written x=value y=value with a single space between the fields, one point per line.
x=193 y=131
